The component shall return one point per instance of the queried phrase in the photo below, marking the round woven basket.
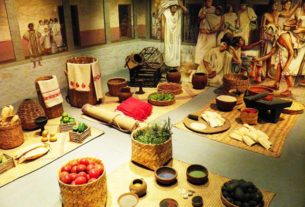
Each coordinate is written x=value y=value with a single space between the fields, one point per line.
x=87 y=195
x=115 y=85
x=160 y=103
x=52 y=112
x=28 y=111
x=11 y=135
x=236 y=81
x=173 y=88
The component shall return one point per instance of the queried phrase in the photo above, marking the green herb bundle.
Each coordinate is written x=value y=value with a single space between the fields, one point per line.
x=155 y=133
x=161 y=97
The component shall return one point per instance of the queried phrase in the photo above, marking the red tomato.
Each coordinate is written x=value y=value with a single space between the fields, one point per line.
x=82 y=174
x=92 y=180
x=73 y=182
x=81 y=168
x=73 y=176
x=66 y=168
x=73 y=163
x=66 y=179
x=88 y=177
x=90 y=166
x=94 y=173
x=80 y=180
x=84 y=161
x=62 y=174
x=100 y=167
x=74 y=169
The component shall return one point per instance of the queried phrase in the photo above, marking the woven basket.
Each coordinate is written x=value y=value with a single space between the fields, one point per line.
x=87 y=195
x=11 y=136
x=151 y=156
x=28 y=111
x=173 y=88
x=236 y=81
x=160 y=103
x=54 y=111
x=8 y=164
x=115 y=85
x=65 y=127
x=80 y=98
x=79 y=137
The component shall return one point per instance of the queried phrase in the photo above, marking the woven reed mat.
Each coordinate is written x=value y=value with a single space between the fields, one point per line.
x=57 y=149
x=277 y=132
x=119 y=180
x=188 y=93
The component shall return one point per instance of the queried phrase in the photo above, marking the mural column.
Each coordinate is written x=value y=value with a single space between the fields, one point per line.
x=135 y=18
x=14 y=29
x=148 y=19
x=68 y=23
x=107 y=21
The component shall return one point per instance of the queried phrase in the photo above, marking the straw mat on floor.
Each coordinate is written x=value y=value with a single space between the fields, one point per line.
x=57 y=149
x=277 y=132
x=119 y=180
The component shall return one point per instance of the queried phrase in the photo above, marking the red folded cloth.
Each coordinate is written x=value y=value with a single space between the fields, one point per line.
x=132 y=107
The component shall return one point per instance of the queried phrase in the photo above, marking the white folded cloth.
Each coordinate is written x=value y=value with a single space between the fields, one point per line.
x=50 y=92
x=97 y=76
x=79 y=76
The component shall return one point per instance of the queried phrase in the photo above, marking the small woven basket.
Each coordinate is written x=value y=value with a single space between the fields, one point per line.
x=87 y=195
x=54 y=111
x=236 y=81
x=11 y=135
x=28 y=111
x=79 y=137
x=151 y=156
x=173 y=88
x=160 y=103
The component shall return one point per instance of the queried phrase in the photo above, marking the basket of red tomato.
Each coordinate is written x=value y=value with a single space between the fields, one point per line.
x=82 y=183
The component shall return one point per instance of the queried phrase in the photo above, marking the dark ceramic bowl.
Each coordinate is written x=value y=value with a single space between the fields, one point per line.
x=166 y=175
x=41 y=122
x=225 y=102
x=197 y=174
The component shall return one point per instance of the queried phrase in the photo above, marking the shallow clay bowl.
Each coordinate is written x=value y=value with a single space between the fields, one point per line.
x=227 y=203
x=225 y=102
x=253 y=90
x=198 y=178
x=166 y=175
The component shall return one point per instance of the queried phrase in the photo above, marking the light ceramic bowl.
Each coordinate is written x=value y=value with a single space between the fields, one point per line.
x=166 y=175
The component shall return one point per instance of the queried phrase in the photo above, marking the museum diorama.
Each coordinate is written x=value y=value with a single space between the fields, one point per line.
x=147 y=103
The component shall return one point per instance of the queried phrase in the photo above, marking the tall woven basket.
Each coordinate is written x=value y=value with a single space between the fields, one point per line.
x=28 y=111
x=151 y=156
x=92 y=194
x=80 y=98
x=52 y=112
x=235 y=81
x=11 y=135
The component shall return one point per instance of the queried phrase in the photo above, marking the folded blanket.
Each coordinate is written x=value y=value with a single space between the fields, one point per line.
x=79 y=76
x=50 y=92
x=97 y=80
x=132 y=107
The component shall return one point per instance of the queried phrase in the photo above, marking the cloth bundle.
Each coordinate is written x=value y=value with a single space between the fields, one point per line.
x=50 y=92
x=135 y=108
x=164 y=4
x=117 y=120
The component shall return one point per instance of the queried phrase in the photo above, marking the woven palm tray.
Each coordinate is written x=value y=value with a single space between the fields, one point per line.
x=210 y=192
x=277 y=132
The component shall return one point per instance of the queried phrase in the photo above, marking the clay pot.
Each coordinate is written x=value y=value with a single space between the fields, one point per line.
x=138 y=186
x=124 y=94
x=115 y=85
x=173 y=76
x=199 y=80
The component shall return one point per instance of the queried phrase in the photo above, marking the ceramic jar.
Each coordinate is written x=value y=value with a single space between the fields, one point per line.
x=173 y=76
x=199 y=80
x=124 y=94
x=138 y=186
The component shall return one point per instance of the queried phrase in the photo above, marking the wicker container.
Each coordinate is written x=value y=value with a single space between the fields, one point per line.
x=80 y=98
x=249 y=116
x=160 y=103
x=173 y=88
x=54 y=111
x=151 y=156
x=28 y=111
x=115 y=85
x=87 y=195
x=11 y=135
x=8 y=164
x=65 y=127
x=236 y=81
x=79 y=137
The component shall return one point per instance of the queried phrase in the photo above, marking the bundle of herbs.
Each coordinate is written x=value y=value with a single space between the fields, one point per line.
x=156 y=133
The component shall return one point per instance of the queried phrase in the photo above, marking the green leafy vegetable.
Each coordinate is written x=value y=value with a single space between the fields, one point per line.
x=162 y=96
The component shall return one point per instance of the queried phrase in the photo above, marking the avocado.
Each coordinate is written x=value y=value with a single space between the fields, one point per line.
x=238 y=203
x=75 y=128
x=245 y=204
x=239 y=194
x=253 y=203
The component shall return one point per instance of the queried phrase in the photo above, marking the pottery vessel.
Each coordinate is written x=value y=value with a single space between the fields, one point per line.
x=225 y=103
x=138 y=186
x=199 y=80
x=173 y=76
x=124 y=94
x=197 y=180
x=115 y=85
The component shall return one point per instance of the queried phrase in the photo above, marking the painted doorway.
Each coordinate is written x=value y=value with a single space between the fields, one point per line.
x=125 y=19
x=75 y=25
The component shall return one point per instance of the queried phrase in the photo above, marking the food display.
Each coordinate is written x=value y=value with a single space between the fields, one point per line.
x=152 y=145
x=82 y=183
x=31 y=152
x=66 y=122
x=241 y=193
x=11 y=134
x=213 y=119
x=80 y=133
x=197 y=174
x=295 y=108
x=161 y=99
x=173 y=88
x=46 y=136
x=226 y=103
x=249 y=135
